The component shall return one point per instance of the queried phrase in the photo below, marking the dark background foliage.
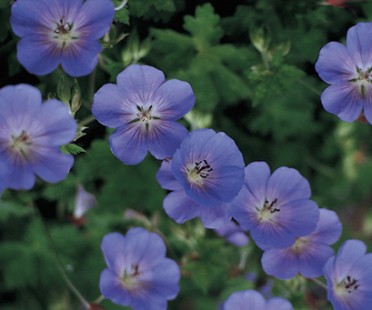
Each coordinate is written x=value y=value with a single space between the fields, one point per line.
x=251 y=65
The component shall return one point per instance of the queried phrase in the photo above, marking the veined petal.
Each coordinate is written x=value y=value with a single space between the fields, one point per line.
x=129 y=144
x=80 y=57
x=164 y=137
x=19 y=106
x=21 y=174
x=140 y=82
x=50 y=164
x=300 y=217
x=95 y=18
x=278 y=303
x=110 y=106
x=313 y=258
x=144 y=248
x=359 y=44
x=367 y=104
x=175 y=99
x=166 y=178
x=112 y=288
x=165 y=276
x=280 y=263
x=343 y=100
x=214 y=217
x=54 y=125
x=287 y=184
x=180 y=207
x=328 y=229
x=335 y=64
x=240 y=300
x=113 y=248
x=38 y=55
x=257 y=175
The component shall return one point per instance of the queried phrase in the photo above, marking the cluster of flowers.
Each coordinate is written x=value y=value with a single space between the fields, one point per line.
x=203 y=170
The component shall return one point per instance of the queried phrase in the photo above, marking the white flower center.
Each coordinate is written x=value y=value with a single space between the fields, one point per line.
x=347 y=286
x=267 y=212
x=64 y=34
x=300 y=244
x=21 y=143
x=130 y=278
x=362 y=80
x=198 y=172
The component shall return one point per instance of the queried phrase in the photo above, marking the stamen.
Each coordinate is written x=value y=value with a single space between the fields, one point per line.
x=199 y=171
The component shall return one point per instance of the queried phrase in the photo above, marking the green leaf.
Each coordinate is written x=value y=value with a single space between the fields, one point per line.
x=72 y=149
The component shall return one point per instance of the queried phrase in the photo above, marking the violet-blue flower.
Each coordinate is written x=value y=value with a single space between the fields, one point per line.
x=348 y=71
x=138 y=274
x=233 y=233
x=206 y=172
x=275 y=207
x=62 y=32
x=144 y=109
x=83 y=202
x=309 y=254
x=349 y=277
x=253 y=300
x=31 y=134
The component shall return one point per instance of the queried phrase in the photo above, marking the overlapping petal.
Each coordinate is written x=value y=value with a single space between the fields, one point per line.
x=359 y=45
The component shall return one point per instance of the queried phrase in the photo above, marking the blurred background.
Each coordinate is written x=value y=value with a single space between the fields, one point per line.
x=251 y=65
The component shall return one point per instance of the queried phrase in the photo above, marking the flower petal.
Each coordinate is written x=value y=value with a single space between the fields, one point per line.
x=166 y=178
x=180 y=207
x=50 y=164
x=55 y=127
x=164 y=137
x=278 y=303
x=38 y=55
x=287 y=184
x=81 y=57
x=328 y=229
x=95 y=18
x=111 y=288
x=214 y=217
x=114 y=252
x=176 y=98
x=21 y=175
x=359 y=45
x=256 y=177
x=140 y=82
x=128 y=143
x=335 y=64
x=240 y=300
x=280 y=263
x=343 y=100
x=110 y=107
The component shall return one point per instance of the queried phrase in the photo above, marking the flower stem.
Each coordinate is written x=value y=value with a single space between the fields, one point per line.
x=99 y=299
x=120 y=6
x=59 y=265
x=314 y=90
x=318 y=282
x=86 y=120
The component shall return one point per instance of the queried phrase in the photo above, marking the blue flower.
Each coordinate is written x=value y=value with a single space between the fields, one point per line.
x=309 y=254
x=253 y=300
x=206 y=172
x=233 y=233
x=138 y=274
x=275 y=207
x=83 y=202
x=31 y=134
x=349 y=277
x=144 y=109
x=62 y=32
x=348 y=71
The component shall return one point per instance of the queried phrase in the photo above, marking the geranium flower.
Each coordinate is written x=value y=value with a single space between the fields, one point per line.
x=206 y=172
x=138 y=274
x=62 y=32
x=348 y=71
x=275 y=208
x=144 y=109
x=83 y=202
x=253 y=300
x=233 y=233
x=31 y=134
x=309 y=254
x=349 y=277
